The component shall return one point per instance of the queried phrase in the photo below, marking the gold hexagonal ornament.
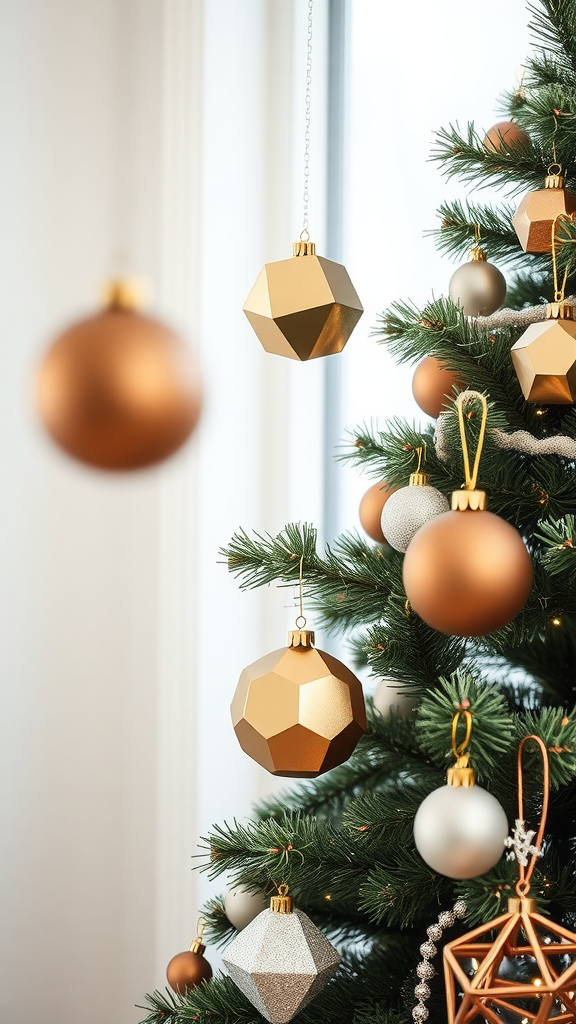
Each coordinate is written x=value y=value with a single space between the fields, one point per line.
x=544 y=358
x=303 y=307
x=537 y=212
x=298 y=711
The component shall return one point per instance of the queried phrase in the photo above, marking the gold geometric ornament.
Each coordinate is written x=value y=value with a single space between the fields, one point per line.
x=527 y=974
x=304 y=307
x=537 y=212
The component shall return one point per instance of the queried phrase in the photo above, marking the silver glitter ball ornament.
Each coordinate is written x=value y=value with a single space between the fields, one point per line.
x=460 y=831
x=425 y=970
x=434 y=932
x=446 y=919
x=422 y=990
x=478 y=287
x=407 y=510
x=280 y=961
x=428 y=949
x=420 y=1013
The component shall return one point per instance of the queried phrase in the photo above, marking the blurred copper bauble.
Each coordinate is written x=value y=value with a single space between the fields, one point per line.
x=370 y=511
x=467 y=573
x=537 y=212
x=477 y=287
x=298 y=711
x=188 y=969
x=504 y=134
x=303 y=307
x=432 y=385
x=544 y=358
x=119 y=390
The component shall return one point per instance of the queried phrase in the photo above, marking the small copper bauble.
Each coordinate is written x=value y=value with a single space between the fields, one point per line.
x=119 y=390
x=505 y=134
x=298 y=711
x=544 y=358
x=303 y=307
x=478 y=287
x=188 y=969
x=467 y=573
x=537 y=212
x=370 y=511
x=432 y=385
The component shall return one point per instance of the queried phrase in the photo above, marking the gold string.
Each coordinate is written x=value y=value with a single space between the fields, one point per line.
x=301 y=618
x=559 y=292
x=471 y=477
x=458 y=749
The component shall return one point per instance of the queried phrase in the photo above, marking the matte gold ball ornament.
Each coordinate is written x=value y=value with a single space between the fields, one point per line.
x=119 y=390
x=281 y=960
x=370 y=511
x=478 y=287
x=504 y=135
x=433 y=385
x=537 y=212
x=298 y=711
x=188 y=969
x=521 y=965
x=304 y=307
x=460 y=829
x=467 y=572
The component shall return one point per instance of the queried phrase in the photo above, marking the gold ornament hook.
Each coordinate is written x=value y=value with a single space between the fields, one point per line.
x=461 y=774
x=470 y=498
x=525 y=872
x=458 y=749
x=301 y=637
x=197 y=946
x=282 y=903
x=419 y=478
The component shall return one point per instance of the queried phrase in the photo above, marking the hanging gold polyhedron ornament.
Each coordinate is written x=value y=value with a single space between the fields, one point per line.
x=482 y=971
x=537 y=212
x=544 y=358
x=298 y=711
x=304 y=307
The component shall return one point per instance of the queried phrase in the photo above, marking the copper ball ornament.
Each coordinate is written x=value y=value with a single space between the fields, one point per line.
x=432 y=385
x=298 y=711
x=119 y=390
x=370 y=511
x=188 y=969
x=505 y=134
x=478 y=287
x=467 y=573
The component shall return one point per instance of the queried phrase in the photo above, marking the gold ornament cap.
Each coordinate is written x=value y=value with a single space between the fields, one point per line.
x=560 y=310
x=303 y=638
x=522 y=905
x=554 y=180
x=123 y=293
x=197 y=947
x=282 y=903
x=301 y=248
x=418 y=480
x=461 y=774
x=474 y=500
x=477 y=255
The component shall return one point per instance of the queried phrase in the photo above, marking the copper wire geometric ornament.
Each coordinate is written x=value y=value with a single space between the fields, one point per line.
x=481 y=972
x=303 y=307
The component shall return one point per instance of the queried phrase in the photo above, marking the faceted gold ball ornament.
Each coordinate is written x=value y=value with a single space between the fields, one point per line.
x=304 y=307
x=298 y=711
x=537 y=212
x=119 y=390
x=544 y=358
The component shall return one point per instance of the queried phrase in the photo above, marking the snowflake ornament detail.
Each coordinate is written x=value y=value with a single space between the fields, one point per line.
x=520 y=844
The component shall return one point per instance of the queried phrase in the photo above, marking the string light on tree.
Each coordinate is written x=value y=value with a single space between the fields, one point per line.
x=307 y=306
x=467 y=572
x=460 y=829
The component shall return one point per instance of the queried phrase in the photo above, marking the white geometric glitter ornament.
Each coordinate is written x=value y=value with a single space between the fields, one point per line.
x=280 y=961
x=409 y=508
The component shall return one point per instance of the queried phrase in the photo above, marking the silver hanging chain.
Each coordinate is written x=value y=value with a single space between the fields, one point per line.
x=305 y=234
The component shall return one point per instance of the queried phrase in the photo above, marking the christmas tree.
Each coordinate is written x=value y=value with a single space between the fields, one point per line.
x=344 y=842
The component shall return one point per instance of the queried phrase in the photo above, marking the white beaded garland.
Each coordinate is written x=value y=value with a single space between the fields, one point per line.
x=460 y=831
x=407 y=510
x=424 y=970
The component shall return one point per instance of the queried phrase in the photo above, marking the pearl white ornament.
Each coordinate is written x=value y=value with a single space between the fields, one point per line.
x=407 y=510
x=460 y=831
x=478 y=287
x=242 y=907
x=387 y=696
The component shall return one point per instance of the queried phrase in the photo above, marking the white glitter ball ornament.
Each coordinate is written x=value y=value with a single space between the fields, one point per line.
x=242 y=906
x=460 y=828
x=409 y=508
x=280 y=961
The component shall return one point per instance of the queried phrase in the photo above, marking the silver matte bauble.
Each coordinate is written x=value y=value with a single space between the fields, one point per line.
x=460 y=831
x=242 y=906
x=478 y=287
x=407 y=510
x=387 y=696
